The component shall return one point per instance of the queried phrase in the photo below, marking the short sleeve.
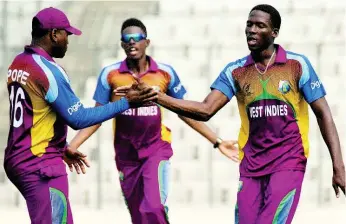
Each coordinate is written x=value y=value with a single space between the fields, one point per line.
x=103 y=89
x=225 y=81
x=175 y=87
x=309 y=84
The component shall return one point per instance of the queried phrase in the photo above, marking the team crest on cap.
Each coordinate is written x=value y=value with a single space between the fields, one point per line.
x=284 y=86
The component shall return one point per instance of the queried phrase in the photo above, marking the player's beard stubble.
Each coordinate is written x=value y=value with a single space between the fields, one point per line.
x=59 y=50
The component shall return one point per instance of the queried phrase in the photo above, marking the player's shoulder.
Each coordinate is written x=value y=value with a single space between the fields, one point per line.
x=20 y=57
x=18 y=60
x=167 y=68
x=24 y=59
x=50 y=68
x=109 y=68
x=106 y=70
x=300 y=58
x=40 y=60
x=239 y=63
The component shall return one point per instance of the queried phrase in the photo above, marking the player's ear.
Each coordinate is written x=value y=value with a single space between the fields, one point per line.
x=275 y=32
x=53 y=35
x=147 y=42
x=122 y=45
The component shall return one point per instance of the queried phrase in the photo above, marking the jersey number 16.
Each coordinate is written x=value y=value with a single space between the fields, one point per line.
x=16 y=107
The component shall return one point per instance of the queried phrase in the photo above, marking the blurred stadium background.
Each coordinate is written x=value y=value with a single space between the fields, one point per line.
x=198 y=38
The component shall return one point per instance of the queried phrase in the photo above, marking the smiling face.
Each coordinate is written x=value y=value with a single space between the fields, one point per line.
x=134 y=42
x=259 y=31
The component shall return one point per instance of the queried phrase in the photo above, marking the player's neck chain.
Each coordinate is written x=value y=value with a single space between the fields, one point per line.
x=262 y=73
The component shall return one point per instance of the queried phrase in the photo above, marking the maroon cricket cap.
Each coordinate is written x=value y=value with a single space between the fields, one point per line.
x=53 y=18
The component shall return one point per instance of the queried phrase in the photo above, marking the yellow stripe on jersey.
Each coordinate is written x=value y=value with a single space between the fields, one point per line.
x=303 y=124
x=244 y=130
x=165 y=133
x=42 y=132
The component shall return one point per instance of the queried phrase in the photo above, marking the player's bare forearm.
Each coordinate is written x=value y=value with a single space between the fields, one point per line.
x=201 y=128
x=331 y=138
x=195 y=110
x=83 y=135
x=201 y=111
x=328 y=131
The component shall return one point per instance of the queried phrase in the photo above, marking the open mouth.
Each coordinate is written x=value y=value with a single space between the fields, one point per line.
x=251 y=41
x=132 y=51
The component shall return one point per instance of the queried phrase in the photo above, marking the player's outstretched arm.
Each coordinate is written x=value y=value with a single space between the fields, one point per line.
x=70 y=108
x=330 y=135
x=201 y=111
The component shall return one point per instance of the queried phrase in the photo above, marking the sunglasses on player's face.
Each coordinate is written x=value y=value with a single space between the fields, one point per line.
x=136 y=37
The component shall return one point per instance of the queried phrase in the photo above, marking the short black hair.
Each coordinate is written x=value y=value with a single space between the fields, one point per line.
x=37 y=32
x=133 y=22
x=274 y=14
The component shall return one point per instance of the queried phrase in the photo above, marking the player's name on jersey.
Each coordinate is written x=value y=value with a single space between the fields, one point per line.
x=16 y=75
x=142 y=111
x=268 y=111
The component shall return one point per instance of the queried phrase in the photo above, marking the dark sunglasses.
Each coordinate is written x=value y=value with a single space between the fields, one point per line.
x=126 y=38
